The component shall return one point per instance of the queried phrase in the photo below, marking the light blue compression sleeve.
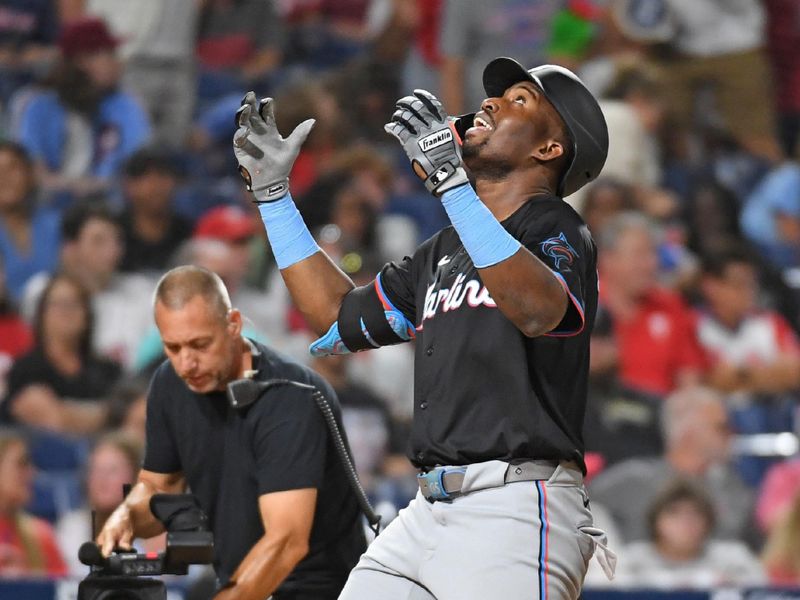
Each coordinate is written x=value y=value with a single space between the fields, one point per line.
x=289 y=237
x=484 y=238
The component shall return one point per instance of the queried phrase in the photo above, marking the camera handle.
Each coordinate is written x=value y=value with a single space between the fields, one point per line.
x=243 y=392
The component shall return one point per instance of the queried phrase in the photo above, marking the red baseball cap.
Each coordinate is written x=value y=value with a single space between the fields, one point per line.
x=227 y=223
x=84 y=36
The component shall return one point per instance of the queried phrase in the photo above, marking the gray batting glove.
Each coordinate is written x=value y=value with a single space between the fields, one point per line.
x=265 y=158
x=427 y=136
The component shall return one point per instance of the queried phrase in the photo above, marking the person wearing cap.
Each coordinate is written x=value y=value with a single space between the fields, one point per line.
x=82 y=129
x=501 y=306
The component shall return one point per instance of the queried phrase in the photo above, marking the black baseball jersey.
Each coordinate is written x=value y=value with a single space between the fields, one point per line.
x=483 y=390
x=231 y=457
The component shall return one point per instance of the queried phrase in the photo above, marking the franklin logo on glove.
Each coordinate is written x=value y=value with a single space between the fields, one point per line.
x=435 y=140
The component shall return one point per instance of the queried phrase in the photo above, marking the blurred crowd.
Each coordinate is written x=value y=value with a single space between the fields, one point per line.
x=116 y=119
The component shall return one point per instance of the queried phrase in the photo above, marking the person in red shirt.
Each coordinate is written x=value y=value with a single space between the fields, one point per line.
x=651 y=340
x=27 y=544
x=752 y=351
x=16 y=337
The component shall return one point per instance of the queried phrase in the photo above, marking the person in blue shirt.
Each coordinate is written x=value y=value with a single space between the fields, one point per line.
x=29 y=233
x=771 y=216
x=83 y=127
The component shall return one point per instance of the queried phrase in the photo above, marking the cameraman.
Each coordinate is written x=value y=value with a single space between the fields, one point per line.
x=285 y=520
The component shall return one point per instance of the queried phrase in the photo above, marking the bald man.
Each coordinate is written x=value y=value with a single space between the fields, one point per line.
x=286 y=523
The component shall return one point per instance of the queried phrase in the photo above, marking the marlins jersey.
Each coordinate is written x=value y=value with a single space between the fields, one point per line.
x=483 y=390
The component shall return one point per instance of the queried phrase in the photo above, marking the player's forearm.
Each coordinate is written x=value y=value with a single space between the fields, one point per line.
x=316 y=284
x=526 y=292
x=317 y=287
x=267 y=564
x=145 y=525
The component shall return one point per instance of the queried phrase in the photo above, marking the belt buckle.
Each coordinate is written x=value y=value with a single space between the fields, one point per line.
x=431 y=484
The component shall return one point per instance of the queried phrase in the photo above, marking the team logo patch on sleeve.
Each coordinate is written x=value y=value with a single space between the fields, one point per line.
x=559 y=249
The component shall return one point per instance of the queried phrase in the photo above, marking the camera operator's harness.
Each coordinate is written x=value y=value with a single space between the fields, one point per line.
x=244 y=392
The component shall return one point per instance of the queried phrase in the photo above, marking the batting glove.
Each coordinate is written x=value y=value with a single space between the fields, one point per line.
x=265 y=158
x=426 y=133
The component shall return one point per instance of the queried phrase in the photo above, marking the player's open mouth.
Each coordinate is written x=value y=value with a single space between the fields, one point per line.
x=481 y=123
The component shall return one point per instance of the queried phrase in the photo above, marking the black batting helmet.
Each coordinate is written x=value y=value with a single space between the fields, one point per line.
x=574 y=103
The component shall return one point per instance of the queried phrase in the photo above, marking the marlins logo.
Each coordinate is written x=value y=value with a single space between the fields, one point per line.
x=436 y=139
x=560 y=251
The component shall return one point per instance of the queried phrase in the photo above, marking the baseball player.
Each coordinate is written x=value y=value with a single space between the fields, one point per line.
x=501 y=305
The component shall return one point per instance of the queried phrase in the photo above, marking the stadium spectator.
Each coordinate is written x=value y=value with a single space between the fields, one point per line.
x=236 y=229
x=476 y=31
x=752 y=350
x=364 y=416
x=679 y=552
x=655 y=348
x=60 y=384
x=770 y=217
x=327 y=34
x=731 y=63
x=781 y=555
x=28 y=33
x=240 y=47
x=29 y=235
x=697 y=446
x=783 y=43
x=81 y=130
x=28 y=545
x=16 y=337
x=778 y=490
x=634 y=109
x=606 y=198
x=113 y=463
x=91 y=252
x=157 y=45
x=152 y=230
x=127 y=411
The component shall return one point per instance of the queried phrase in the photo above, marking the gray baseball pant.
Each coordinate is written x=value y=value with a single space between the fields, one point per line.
x=528 y=540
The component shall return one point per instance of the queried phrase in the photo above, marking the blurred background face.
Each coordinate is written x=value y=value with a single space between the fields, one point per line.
x=109 y=470
x=64 y=315
x=709 y=433
x=352 y=215
x=135 y=418
x=602 y=203
x=102 y=67
x=16 y=477
x=733 y=295
x=151 y=192
x=681 y=528
x=17 y=180
x=99 y=247
x=631 y=265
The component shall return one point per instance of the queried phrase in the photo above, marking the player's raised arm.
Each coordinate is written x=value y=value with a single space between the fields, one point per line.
x=348 y=320
x=265 y=158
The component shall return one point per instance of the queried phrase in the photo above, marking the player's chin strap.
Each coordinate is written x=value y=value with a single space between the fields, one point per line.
x=244 y=392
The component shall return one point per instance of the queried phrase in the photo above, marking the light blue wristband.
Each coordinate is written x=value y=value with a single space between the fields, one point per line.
x=484 y=238
x=289 y=237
